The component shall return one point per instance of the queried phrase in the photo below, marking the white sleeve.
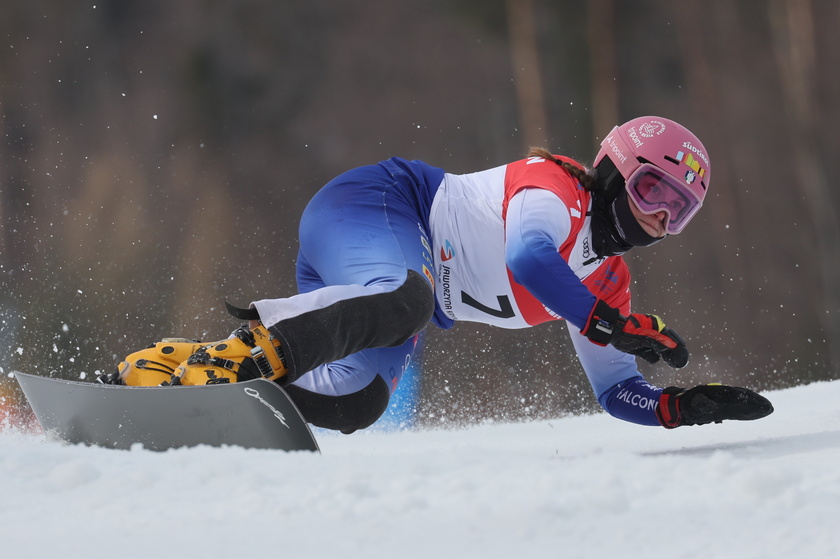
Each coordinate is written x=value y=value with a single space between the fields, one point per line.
x=537 y=209
x=605 y=366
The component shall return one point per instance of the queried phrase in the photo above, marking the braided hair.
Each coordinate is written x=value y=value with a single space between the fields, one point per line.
x=580 y=173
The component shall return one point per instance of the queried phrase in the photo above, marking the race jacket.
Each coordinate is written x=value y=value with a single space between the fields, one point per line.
x=513 y=248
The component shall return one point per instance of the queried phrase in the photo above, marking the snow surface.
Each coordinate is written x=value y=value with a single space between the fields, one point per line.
x=577 y=487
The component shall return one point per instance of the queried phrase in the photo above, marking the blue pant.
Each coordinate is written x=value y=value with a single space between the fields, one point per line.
x=361 y=236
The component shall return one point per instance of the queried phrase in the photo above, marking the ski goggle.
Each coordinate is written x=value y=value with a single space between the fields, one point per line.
x=653 y=190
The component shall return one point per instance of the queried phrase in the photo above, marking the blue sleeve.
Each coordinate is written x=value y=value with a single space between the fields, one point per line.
x=537 y=223
x=615 y=378
x=633 y=400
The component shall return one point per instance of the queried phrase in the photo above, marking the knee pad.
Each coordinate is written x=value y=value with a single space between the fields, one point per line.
x=347 y=413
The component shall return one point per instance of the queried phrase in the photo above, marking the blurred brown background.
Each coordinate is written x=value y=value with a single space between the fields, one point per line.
x=155 y=156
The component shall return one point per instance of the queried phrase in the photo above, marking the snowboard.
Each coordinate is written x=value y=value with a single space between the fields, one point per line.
x=252 y=414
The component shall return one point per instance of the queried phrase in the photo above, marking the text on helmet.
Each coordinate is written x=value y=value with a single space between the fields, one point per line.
x=698 y=151
x=616 y=150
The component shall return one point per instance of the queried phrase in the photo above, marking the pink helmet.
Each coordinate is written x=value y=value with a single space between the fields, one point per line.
x=664 y=166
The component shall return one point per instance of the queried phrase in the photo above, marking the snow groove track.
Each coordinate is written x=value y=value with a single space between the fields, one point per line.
x=576 y=487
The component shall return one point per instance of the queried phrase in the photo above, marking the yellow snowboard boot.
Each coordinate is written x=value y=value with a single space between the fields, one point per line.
x=153 y=365
x=249 y=354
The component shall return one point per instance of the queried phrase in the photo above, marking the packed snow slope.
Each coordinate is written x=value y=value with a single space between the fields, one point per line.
x=577 y=487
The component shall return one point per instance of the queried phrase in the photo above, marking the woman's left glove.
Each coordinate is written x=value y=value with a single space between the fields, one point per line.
x=643 y=335
x=709 y=403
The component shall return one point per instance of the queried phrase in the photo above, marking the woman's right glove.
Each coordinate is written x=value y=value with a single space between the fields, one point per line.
x=643 y=335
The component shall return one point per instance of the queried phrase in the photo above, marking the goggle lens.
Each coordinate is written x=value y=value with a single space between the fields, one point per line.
x=654 y=190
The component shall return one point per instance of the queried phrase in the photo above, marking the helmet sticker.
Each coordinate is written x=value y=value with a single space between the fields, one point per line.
x=690 y=147
x=689 y=160
x=652 y=128
x=646 y=130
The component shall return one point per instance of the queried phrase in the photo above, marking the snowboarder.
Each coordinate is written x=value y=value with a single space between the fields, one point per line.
x=388 y=248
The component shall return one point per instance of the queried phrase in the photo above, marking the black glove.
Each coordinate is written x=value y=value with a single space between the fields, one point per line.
x=709 y=402
x=643 y=335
